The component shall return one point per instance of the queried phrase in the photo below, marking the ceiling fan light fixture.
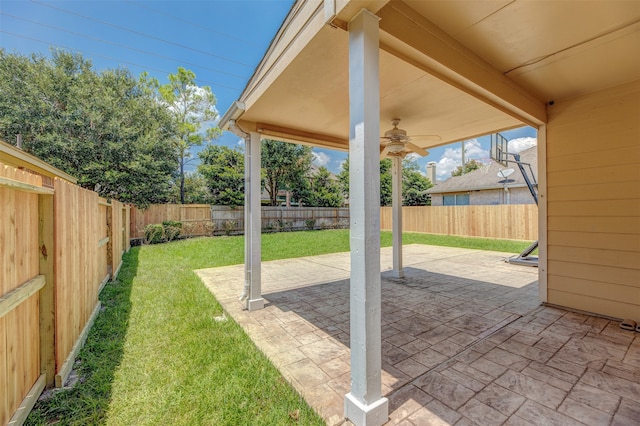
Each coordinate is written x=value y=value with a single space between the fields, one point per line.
x=395 y=133
x=395 y=146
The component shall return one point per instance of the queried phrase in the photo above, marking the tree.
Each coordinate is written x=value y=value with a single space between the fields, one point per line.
x=469 y=166
x=191 y=107
x=223 y=171
x=414 y=184
x=285 y=166
x=322 y=190
x=196 y=190
x=385 y=180
x=106 y=129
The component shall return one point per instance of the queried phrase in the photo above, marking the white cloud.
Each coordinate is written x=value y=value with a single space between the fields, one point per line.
x=321 y=159
x=520 y=144
x=412 y=156
x=240 y=143
x=452 y=157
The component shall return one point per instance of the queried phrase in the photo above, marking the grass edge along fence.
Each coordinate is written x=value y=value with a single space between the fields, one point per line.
x=59 y=247
x=512 y=222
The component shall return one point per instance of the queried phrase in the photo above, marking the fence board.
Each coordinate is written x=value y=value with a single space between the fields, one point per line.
x=514 y=222
x=19 y=337
x=41 y=228
x=80 y=224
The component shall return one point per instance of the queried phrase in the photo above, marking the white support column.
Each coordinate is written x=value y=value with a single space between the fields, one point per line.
x=247 y=218
x=542 y=214
x=252 y=221
x=364 y=405
x=396 y=215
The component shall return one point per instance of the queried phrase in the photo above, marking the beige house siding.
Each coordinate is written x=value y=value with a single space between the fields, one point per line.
x=593 y=204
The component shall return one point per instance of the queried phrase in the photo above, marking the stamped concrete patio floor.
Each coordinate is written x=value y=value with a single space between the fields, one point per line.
x=465 y=341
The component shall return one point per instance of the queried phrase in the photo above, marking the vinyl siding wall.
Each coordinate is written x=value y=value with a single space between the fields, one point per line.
x=593 y=202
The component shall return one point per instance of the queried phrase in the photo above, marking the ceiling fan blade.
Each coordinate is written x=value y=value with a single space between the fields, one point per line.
x=383 y=151
x=426 y=138
x=415 y=148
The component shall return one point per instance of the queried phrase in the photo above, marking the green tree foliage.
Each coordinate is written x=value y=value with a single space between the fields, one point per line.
x=196 y=190
x=106 y=129
x=321 y=190
x=191 y=106
x=470 y=166
x=385 y=180
x=285 y=166
x=223 y=171
x=413 y=183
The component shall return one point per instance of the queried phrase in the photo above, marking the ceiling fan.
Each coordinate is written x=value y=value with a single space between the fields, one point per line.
x=395 y=142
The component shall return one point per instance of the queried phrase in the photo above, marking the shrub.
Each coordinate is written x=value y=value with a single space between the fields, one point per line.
x=172 y=229
x=269 y=227
x=153 y=233
x=209 y=228
x=311 y=223
x=188 y=229
x=228 y=226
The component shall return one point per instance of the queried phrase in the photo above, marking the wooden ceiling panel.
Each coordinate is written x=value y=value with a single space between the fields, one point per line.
x=601 y=64
x=456 y=16
x=525 y=31
x=312 y=95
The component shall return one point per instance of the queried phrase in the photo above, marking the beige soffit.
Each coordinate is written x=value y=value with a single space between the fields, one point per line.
x=455 y=69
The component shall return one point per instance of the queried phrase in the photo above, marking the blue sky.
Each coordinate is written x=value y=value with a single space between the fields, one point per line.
x=221 y=41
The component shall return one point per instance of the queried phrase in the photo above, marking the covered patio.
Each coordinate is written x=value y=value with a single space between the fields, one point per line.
x=340 y=73
x=464 y=341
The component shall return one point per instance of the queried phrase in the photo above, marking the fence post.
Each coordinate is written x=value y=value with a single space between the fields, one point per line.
x=47 y=293
x=110 y=241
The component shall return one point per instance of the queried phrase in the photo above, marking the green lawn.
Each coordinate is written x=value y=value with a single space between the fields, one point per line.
x=156 y=355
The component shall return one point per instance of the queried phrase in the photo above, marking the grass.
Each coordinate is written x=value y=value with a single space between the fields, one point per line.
x=157 y=355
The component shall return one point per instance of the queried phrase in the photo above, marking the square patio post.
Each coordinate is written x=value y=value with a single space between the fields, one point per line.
x=364 y=405
x=252 y=223
x=396 y=215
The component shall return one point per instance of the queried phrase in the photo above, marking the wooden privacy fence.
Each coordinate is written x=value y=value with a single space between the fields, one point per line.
x=512 y=222
x=203 y=219
x=275 y=218
x=58 y=248
x=195 y=218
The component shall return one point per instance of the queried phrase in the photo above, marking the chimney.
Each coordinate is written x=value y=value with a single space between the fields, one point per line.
x=431 y=171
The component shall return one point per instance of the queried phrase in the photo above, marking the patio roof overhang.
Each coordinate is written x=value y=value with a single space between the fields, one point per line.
x=452 y=69
x=338 y=69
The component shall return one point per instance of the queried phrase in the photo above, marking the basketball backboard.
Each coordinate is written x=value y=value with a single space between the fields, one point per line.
x=499 y=149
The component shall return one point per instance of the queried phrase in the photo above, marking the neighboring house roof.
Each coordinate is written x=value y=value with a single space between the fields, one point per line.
x=486 y=177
